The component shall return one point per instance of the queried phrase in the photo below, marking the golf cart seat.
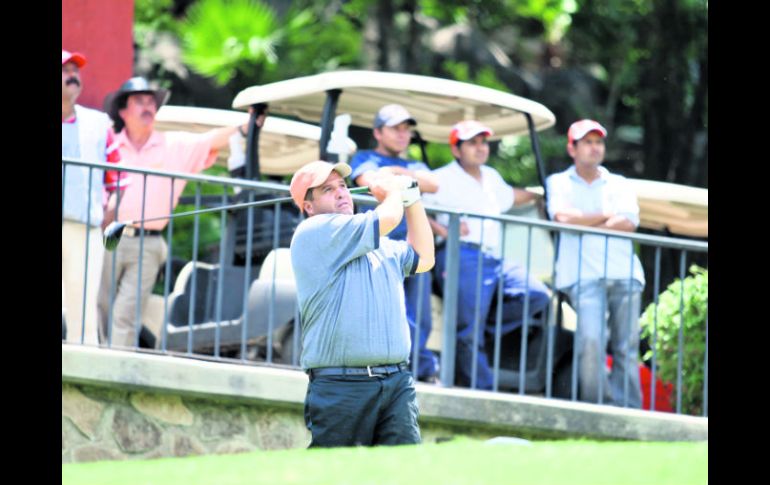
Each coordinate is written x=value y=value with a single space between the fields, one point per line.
x=230 y=327
x=263 y=220
x=280 y=259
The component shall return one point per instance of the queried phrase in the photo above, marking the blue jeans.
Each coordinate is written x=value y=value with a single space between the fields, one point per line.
x=362 y=410
x=618 y=304
x=515 y=287
x=427 y=362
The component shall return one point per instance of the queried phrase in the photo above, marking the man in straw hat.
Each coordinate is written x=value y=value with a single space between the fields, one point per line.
x=355 y=336
x=133 y=108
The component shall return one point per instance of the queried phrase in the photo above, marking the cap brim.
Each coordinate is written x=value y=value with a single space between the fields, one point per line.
x=341 y=168
x=78 y=59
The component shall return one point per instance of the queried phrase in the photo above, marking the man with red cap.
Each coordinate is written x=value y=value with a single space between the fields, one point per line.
x=468 y=184
x=602 y=276
x=355 y=336
x=85 y=136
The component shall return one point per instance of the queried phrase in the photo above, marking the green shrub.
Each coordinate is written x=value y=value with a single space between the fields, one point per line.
x=666 y=342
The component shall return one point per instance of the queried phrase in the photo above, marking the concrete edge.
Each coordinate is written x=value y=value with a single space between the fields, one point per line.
x=505 y=413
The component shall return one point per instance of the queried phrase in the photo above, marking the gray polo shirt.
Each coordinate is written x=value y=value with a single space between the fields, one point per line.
x=350 y=291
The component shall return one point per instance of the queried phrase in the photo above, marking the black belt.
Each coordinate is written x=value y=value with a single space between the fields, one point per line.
x=132 y=231
x=370 y=370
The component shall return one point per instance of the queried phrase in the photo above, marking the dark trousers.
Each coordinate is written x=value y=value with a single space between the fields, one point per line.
x=362 y=410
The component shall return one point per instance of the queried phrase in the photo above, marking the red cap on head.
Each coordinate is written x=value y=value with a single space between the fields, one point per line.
x=465 y=130
x=312 y=175
x=581 y=128
x=76 y=57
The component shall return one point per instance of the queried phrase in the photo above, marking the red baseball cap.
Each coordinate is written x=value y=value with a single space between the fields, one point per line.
x=465 y=130
x=581 y=128
x=312 y=175
x=76 y=57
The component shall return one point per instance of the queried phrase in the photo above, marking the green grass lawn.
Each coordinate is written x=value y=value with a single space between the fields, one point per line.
x=461 y=462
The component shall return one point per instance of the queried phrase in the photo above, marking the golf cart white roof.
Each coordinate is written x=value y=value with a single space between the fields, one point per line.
x=437 y=104
x=284 y=145
x=680 y=209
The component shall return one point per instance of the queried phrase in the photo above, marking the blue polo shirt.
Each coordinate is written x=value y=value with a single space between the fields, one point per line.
x=350 y=291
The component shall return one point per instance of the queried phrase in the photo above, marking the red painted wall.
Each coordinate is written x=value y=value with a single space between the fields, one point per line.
x=101 y=30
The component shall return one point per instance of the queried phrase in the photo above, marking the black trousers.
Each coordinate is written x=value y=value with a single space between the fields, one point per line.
x=362 y=410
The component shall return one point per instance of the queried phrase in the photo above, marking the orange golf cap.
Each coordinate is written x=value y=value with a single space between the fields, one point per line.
x=312 y=175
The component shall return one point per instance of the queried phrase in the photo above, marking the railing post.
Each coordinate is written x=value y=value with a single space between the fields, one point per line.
x=451 y=283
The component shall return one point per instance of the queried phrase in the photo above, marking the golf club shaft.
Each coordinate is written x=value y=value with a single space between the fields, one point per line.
x=241 y=205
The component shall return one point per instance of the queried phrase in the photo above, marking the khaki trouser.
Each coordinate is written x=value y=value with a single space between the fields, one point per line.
x=74 y=282
x=124 y=326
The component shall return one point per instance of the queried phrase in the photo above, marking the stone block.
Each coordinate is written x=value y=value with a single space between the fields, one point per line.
x=93 y=453
x=218 y=423
x=84 y=412
x=184 y=445
x=233 y=447
x=166 y=408
x=133 y=432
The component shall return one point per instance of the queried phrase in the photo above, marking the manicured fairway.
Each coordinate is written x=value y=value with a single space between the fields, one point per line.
x=461 y=462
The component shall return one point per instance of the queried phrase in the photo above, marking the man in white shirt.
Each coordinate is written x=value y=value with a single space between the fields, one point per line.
x=467 y=184
x=600 y=275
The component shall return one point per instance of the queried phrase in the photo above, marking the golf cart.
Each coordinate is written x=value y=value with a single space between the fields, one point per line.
x=284 y=146
x=437 y=104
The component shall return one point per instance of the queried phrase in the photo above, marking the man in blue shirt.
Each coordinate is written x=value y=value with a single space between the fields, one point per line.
x=355 y=340
x=392 y=130
x=601 y=275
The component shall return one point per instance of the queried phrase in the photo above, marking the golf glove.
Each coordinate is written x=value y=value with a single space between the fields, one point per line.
x=410 y=189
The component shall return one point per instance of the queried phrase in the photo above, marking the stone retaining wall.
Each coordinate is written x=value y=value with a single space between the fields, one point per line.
x=130 y=405
x=108 y=424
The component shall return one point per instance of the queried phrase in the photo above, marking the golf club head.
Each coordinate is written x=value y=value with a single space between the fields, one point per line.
x=112 y=234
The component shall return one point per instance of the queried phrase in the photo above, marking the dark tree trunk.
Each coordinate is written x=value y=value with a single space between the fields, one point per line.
x=385 y=30
x=411 y=49
x=670 y=122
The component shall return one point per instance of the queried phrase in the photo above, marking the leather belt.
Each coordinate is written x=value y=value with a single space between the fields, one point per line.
x=132 y=231
x=370 y=370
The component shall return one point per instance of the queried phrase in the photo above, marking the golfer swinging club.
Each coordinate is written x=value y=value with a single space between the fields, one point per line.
x=355 y=338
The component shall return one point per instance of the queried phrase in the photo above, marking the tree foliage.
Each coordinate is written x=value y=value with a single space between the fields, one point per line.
x=662 y=326
x=244 y=42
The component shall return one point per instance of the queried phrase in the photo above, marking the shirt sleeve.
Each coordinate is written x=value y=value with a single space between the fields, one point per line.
x=189 y=152
x=361 y=163
x=412 y=260
x=111 y=177
x=405 y=255
x=503 y=191
x=557 y=198
x=624 y=201
x=418 y=166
